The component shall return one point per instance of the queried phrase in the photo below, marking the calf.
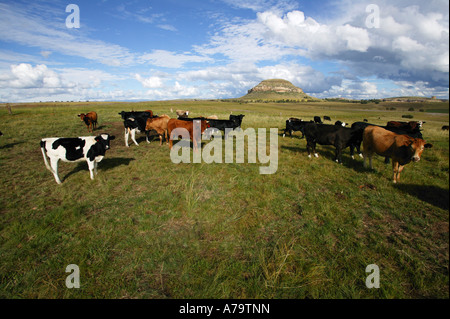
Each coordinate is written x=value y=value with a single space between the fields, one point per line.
x=401 y=148
x=323 y=134
x=135 y=122
x=90 y=119
x=90 y=149
x=159 y=124
x=187 y=125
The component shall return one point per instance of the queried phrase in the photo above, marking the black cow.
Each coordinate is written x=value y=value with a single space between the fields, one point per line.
x=327 y=118
x=135 y=122
x=90 y=149
x=323 y=134
x=237 y=119
x=234 y=122
x=317 y=120
x=295 y=125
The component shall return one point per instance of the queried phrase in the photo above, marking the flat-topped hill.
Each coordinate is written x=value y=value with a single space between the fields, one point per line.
x=275 y=90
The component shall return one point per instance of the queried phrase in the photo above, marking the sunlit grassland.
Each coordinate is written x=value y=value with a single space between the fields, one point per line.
x=147 y=228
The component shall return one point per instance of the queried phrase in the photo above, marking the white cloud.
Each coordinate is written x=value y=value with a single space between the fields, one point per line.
x=167 y=59
x=151 y=82
x=28 y=28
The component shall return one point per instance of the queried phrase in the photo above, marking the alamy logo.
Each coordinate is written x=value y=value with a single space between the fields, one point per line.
x=373 y=280
x=73 y=19
x=212 y=152
x=73 y=280
x=373 y=19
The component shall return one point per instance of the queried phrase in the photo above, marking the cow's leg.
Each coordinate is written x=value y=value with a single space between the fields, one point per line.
x=133 y=136
x=314 y=150
x=369 y=157
x=127 y=131
x=338 y=155
x=54 y=165
x=400 y=169
x=308 y=148
x=147 y=134
x=95 y=167
x=91 y=165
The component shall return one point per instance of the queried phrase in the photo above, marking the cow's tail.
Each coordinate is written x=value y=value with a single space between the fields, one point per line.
x=45 y=156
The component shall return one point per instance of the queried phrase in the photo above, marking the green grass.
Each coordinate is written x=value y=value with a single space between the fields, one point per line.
x=147 y=228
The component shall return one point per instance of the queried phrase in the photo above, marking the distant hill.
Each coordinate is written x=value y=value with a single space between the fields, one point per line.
x=277 y=90
x=412 y=99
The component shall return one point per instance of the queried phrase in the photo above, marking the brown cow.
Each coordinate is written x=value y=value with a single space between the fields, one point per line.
x=402 y=149
x=90 y=119
x=189 y=126
x=159 y=124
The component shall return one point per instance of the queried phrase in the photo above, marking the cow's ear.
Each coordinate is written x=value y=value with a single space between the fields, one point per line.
x=428 y=145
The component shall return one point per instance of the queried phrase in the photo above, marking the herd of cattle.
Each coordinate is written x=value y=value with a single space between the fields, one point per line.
x=400 y=141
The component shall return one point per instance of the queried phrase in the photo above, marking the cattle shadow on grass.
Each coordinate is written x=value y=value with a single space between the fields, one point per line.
x=431 y=194
x=10 y=145
x=105 y=165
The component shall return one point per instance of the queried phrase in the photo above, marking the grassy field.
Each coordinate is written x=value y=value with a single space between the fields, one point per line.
x=147 y=228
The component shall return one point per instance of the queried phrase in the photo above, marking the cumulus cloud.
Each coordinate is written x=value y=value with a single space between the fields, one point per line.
x=151 y=82
x=26 y=76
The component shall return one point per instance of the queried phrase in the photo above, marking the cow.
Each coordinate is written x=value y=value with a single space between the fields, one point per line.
x=401 y=148
x=90 y=149
x=294 y=125
x=445 y=128
x=412 y=126
x=340 y=123
x=135 y=122
x=174 y=124
x=327 y=118
x=237 y=118
x=362 y=125
x=90 y=119
x=159 y=124
x=324 y=134
x=1 y=134
x=234 y=122
x=317 y=120
x=182 y=113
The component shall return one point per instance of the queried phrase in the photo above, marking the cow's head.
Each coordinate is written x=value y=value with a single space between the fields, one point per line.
x=104 y=140
x=417 y=146
x=81 y=116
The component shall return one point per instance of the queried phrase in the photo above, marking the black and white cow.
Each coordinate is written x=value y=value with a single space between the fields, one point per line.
x=90 y=149
x=135 y=122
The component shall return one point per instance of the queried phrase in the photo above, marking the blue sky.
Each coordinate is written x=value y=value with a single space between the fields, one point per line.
x=172 y=49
